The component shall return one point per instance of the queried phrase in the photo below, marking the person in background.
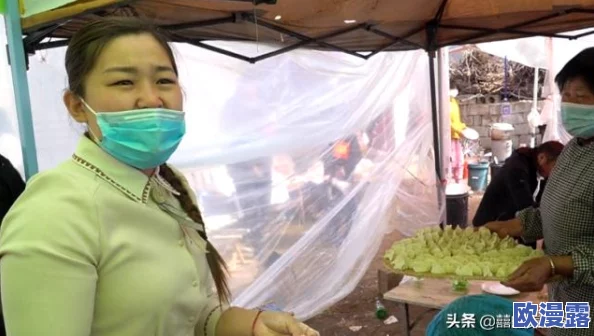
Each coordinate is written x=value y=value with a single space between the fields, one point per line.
x=344 y=155
x=457 y=126
x=11 y=186
x=565 y=216
x=449 y=321
x=519 y=184
x=111 y=242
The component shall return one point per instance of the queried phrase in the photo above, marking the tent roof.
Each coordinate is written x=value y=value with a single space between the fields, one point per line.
x=381 y=25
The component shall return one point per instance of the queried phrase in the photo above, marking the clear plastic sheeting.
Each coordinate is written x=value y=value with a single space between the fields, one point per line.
x=315 y=152
x=300 y=163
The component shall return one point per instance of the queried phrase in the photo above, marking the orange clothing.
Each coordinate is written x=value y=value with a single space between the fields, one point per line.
x=342 y=150
x=456 y=123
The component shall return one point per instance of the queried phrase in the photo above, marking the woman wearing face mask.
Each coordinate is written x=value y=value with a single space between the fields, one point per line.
x=111 y=242
x=565 y=218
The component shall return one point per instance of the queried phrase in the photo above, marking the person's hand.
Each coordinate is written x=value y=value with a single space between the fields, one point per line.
x=512 y=228
x=531 y=276
x=281 y=324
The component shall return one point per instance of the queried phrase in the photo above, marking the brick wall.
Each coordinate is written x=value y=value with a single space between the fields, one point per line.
x=481 y=116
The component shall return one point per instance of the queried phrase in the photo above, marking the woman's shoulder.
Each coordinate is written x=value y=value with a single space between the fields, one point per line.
x=67 y=177
x=56 y=210
x=54 y=193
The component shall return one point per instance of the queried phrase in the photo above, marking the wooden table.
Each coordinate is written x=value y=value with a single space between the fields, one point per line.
x=434 y=294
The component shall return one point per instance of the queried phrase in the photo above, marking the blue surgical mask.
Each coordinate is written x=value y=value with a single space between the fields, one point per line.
x=578 y=119
x=142 y=138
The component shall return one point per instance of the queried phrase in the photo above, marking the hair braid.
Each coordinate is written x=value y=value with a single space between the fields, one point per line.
x=217 y=265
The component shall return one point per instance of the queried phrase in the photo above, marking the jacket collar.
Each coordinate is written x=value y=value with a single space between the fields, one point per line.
x=130 y=181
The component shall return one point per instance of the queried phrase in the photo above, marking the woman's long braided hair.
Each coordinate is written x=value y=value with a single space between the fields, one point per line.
x=216 y=263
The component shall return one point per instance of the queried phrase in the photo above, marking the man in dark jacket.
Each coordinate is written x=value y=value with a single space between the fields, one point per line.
x=514 y=187
x=11 y=186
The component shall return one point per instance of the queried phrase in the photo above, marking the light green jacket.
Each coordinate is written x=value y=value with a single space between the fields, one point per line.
x=95 y=247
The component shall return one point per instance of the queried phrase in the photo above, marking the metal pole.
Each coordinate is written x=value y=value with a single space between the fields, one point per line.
x=534 y=107
x=505 y=88
x=18 y=67
x=436 y=126
x=435 y=114
x=443 y=106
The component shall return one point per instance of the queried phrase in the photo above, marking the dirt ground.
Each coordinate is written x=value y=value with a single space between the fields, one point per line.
x=358 y=308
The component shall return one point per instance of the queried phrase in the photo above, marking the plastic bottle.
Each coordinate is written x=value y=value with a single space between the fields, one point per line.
x=380 y=311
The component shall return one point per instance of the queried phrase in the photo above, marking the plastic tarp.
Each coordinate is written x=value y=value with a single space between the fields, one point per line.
x=547 y=53
x=297 y=222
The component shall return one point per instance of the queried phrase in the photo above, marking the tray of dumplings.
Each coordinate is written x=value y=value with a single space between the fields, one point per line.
x=468 y=254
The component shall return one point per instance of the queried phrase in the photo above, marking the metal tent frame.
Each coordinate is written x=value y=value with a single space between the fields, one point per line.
x=19 y=47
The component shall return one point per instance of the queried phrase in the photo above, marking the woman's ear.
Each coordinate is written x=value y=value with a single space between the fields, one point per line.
x=542 y=159
x=75 y=106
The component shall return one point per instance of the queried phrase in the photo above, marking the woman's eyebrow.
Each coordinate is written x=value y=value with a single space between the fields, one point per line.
x=134 y=70
x=162 y=68
x=126 y=69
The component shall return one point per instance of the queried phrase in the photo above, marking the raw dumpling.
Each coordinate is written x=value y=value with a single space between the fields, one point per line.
x=502 y=272
x=476 y=269
x=465 y=270
x=486 y=271
x=421 y=266
x=468 y=232
x=480 y=246
x=450 y=267
x=437 y=268
x=400 y=264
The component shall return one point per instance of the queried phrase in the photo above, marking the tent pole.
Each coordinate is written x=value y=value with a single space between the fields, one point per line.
x=534 y=107
x=436 y=123
x=18 y=67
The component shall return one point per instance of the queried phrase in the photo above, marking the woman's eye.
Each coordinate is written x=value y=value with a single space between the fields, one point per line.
x=123 y=82
x=166 y=81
